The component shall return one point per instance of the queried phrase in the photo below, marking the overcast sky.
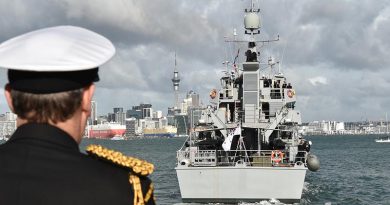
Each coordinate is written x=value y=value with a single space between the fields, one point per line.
x=336 y=53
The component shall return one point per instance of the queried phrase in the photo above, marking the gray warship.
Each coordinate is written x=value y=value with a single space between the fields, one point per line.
x=245 y=146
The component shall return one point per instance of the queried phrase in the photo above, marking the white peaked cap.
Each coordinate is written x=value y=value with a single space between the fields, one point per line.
x=60 y=48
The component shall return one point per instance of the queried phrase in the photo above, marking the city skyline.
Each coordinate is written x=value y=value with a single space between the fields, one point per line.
x=333 y=52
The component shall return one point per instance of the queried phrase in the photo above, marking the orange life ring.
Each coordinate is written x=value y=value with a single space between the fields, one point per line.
x=277 y=156
x=290 y=93
x=213 y=93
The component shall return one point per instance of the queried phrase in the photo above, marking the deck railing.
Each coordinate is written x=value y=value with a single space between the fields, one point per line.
x=264 y=158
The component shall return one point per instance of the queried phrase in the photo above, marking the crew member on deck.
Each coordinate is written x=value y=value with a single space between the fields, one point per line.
x=51 y=75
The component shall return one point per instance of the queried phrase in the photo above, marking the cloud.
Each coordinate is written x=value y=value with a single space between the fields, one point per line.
x=318 y=80
x=335 y=53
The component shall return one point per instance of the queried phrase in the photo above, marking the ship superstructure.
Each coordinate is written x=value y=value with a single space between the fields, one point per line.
x=246 y=146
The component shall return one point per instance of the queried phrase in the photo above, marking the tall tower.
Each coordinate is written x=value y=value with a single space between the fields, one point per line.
x=176 y=81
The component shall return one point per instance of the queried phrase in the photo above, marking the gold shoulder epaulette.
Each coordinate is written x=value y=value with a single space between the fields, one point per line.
x=139 y=167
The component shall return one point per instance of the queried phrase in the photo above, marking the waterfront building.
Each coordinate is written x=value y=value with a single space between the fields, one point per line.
x=157 y=114
x=111 y=117
x=171 y=116
x=120 y=118
x=323 y=128
x=163 y=122
x=140 y=127
x=182 y=124
x=7 y=124
x=102 y=119
x=131 y=126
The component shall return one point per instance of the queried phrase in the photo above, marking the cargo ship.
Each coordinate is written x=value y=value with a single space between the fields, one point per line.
x=106 y=131
x=168 y=131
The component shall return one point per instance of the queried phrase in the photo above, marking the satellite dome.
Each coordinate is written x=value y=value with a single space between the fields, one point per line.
x=252 y=21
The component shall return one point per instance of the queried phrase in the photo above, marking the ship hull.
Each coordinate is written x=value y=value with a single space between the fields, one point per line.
x=167 y=131
x=106 y=134
x=160 y=135
x=383 y=140
x=237 y=184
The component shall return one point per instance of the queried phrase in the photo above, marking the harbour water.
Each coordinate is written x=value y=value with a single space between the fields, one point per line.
x=354 y=169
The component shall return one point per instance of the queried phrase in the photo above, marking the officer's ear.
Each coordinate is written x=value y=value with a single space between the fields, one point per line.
x=7 y=93
x=87 y=98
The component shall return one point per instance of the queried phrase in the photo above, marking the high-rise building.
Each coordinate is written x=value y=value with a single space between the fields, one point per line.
x=137 y=114
x=141 y=106
x=182 y=124
x=171 y=116
x=147 y=113
x=187 y=115
x=93 y=117
x=138 y=111
x=120 y=116
x=118 y=109
x=191 y=101
x=131 y=125
x=111 y=117
x=193 y=98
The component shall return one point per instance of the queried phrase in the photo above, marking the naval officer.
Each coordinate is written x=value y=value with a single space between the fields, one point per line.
x=51 y=75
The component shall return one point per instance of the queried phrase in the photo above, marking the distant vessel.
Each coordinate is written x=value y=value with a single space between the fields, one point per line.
x=118 y=137
x=383 y=140
x=106 y=131
x=246 y=146
x=168 y=131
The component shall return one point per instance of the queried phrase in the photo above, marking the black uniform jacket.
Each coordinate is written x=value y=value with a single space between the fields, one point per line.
x=41 y=164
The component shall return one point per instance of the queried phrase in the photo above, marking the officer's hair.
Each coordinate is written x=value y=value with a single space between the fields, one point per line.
x=44 y=108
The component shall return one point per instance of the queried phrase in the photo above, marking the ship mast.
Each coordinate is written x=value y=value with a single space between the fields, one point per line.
x=387 y=125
